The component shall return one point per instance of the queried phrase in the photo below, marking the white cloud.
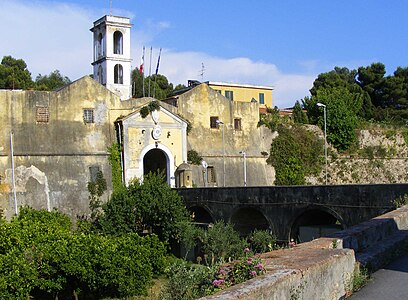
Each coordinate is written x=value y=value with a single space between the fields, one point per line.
x=50 y=36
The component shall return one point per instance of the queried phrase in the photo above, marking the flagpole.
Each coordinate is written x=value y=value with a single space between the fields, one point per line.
x=143 y=82
x=157 y=72
x=150 y=68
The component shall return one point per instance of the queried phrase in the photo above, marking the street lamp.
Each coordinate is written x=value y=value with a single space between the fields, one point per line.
x=223 y=151
x=325 y=134
x=244 y=155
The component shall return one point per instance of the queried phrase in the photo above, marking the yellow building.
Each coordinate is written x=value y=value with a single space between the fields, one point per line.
x=244 y=93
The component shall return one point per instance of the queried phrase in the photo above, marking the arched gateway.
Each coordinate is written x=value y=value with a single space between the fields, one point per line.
x=156 y=142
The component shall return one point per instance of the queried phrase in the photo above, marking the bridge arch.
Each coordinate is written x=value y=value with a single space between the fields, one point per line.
x=202 y=216
x=247 y=219
x=314 y=222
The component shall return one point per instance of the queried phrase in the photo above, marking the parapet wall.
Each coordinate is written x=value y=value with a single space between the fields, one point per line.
x=323 y=268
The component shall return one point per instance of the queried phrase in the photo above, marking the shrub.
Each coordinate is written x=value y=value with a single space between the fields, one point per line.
x=187 y=282
x=193 y=157
x=40 y=256
x=221 y=243
x=261 y=241
x=294 y=154
x=150 y=206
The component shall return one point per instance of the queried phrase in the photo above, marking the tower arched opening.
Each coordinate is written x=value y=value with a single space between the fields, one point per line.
x=118 y=74
x=118 y=42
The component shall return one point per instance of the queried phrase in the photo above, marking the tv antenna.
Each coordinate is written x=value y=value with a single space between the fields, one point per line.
x=202 y=72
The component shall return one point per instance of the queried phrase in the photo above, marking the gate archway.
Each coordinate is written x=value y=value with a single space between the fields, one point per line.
x=155 y=161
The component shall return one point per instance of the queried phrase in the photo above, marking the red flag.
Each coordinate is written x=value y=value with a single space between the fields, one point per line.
x=142 y=63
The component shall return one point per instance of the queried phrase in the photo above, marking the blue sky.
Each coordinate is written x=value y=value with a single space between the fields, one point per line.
x=284 y=44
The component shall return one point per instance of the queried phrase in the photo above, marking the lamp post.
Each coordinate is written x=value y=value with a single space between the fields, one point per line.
x=244 y=155
x=325 y=134
x=223 y=151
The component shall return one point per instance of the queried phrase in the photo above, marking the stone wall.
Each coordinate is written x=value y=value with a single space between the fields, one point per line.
x=315 y=270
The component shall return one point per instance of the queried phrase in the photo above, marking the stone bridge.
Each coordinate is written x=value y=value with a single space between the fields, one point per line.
x=292 y=212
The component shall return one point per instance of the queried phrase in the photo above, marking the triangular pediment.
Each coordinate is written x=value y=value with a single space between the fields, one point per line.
x=162 y=116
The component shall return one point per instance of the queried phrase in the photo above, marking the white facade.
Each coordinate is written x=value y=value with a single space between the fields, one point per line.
x=111 y=60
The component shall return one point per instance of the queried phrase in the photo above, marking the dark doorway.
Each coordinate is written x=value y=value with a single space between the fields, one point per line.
x=247 y=219
x=155 y=161
x=201 y=216
x=313 y=224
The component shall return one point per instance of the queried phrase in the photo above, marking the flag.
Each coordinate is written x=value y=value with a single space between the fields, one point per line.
x=158 y=62
x=142 y=63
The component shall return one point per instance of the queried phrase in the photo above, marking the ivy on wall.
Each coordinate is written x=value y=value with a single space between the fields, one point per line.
x=114 y=160
x=294 y=154
x=152 y=106
x=193 y=157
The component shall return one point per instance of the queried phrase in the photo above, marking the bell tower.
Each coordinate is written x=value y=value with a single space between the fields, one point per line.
x=111 y=59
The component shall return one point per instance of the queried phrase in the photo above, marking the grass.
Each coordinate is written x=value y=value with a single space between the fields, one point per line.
x=154 y=291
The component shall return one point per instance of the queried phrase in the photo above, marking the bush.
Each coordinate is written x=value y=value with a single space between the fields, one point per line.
x=193 y=157
x=294 y=154
x=40 y=256
x=187 y=282
x=221 y=243
x=150 y=206
x=261 y=241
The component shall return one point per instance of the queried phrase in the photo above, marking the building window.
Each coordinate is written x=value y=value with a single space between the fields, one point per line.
x=219 y=92
x=118 y=73
x=118 y=42
x=213 y=122
x=42 y=114
x=88 y=115
x=237 y=124
x=211 y=175
x=261 y=98
x=229 y=95
x=93 y=173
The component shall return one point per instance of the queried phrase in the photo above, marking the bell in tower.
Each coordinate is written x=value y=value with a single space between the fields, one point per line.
x=111 y=60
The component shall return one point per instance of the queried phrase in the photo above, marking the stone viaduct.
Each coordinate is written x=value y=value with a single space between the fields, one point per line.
x=285 y=210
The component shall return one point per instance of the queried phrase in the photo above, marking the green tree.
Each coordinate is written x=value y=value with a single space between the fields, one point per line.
x=137 y=83
x=148 y=206
x=51 y=82
x=342 y=121
x=14 y=74
x=271 y=119
x=158 y=85
x=338 y=78
x=371 y=80
x=299 y=116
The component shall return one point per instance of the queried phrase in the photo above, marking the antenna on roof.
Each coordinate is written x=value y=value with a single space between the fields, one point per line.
x=202 y=72
x=110 y=7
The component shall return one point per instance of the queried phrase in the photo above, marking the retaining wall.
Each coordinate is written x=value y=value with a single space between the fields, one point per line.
x=323 y=268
